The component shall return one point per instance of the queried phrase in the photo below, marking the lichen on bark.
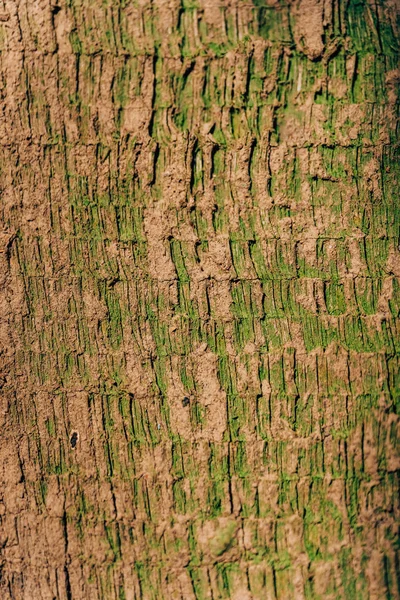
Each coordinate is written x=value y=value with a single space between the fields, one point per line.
x=199 y=325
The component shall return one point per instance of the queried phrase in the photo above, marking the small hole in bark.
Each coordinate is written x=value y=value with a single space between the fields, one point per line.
x=74 y=439
x=185 y=402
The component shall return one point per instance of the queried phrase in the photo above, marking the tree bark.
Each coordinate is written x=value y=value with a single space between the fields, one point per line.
x=199 y=299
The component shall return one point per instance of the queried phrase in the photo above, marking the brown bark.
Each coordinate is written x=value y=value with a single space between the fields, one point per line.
x=199 y=299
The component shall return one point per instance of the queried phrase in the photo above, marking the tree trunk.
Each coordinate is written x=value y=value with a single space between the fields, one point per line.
x=200 y=291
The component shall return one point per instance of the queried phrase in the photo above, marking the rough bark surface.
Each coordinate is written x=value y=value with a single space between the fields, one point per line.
x=200 y=294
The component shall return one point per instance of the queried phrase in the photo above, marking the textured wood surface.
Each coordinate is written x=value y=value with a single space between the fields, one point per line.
x=199 y=273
